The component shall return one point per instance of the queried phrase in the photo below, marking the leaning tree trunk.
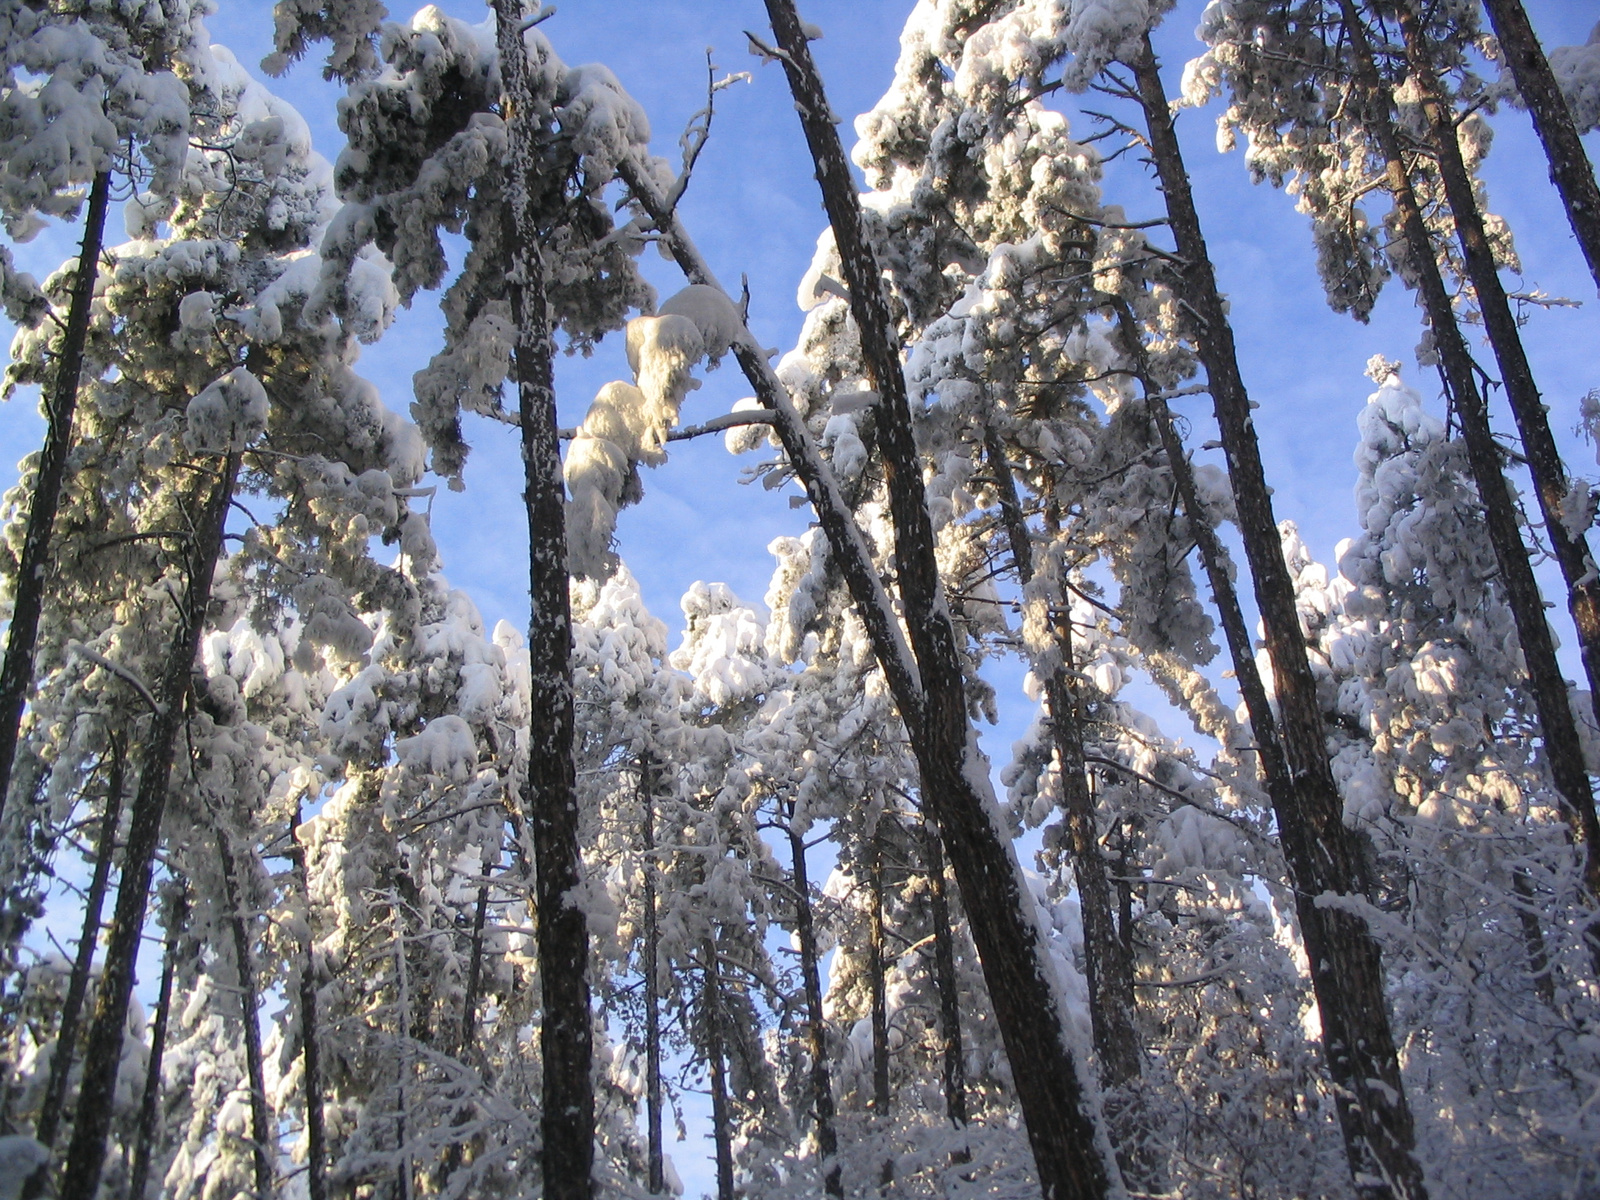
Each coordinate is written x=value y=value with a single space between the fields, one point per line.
x=1550 y=697
x=150 y=1102
x=1329 y=877
x=86 y=1154
x=816 y=1027
x=1570 y=168
x=1109 y=970
x=655 y=1167
x=717 y=1064
x=55 y=1092
x=244 y=967
x=16 y=672
x=549 y=795
x=954 y=1073
x=1070 y=1153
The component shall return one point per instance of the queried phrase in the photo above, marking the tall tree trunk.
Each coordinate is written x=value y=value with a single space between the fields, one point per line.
x=1549 y=473
x=1070 y=1154
x=403 y=1027
x=86 y=1153
x=150 y=1102
x=61 y=1061
x=1325 y=865
x=310 y=1045
x=716 y=1059
x=880 y=1000
x=16 y=672
x=954 y=1072
x=1550 y=697
x=1570 y=168
x=1109 y=969
x=264 y=1141
x=549 y=795
x=655 y=1157
x=816 y=1027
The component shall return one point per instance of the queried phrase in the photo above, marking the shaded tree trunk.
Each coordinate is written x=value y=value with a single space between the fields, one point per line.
x=716 y=1061
x=549 y=796
x=944 y=974
x=244 y=965
x=1570 y=168
x=1324 y=862
x=655 y=1157
x=816 y=1027
x=16 y=671
x=880 y=1001
x=85 y=1156
x=310 y=1046
x=150 y=1103
x=1550 y=697
x=1533 y=424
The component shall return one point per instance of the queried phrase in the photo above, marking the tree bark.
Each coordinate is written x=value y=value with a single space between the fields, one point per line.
x=16 y=672
x=549 y=795
x=244 y=964
x=944 y=976
x=1533 y=424
x=150 y=1102
x=86 y=1153
x=816 y=1027
x=716 y=1061
x=1069 y=1153
x=1550 y=697
x=1570 y=168
x=880 y=1000
x=61 y=1061
x=1326 y=869
x=655 y=1157
x=1108 y=968
x=310 y=1047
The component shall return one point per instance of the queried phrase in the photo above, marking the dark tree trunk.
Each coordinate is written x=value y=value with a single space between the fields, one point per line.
x=1570 y=169
x=1538 y=444
x=816 y=1027
x=716 y=1060
x=1324 y=861
x=944 y=977
x=549 y=797
x=244 y=965
x=880 y=1000
x=1062 y=1126
x=150 y=1102
x=61 y=1061
x=16 y=672
x=1108 y=968
x=655 y=1157
x=310 y=1045
x=1550 y=698
x=86 y=1153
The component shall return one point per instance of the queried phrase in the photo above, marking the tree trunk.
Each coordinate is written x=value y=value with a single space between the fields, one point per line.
x=880 y=999
x=1544 y=459
x=16 y=672
x=103 y=1054
x=655 y=1157
x=310 y=1048
x=150 y=1102
x=716 y=1060
x=1109 y=969
x=1570 y=169
x=1069 y=1153
x=549 y=796
x=264 y=1147
x=944 y=976
x=816 y=1027
x=1325 y=866
x=1550 y=697
x=61 y=1061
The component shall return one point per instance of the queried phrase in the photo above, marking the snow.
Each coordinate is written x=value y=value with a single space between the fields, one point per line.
x=228 y=414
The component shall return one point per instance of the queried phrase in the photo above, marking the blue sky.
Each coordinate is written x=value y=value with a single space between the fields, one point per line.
x=755 y=210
